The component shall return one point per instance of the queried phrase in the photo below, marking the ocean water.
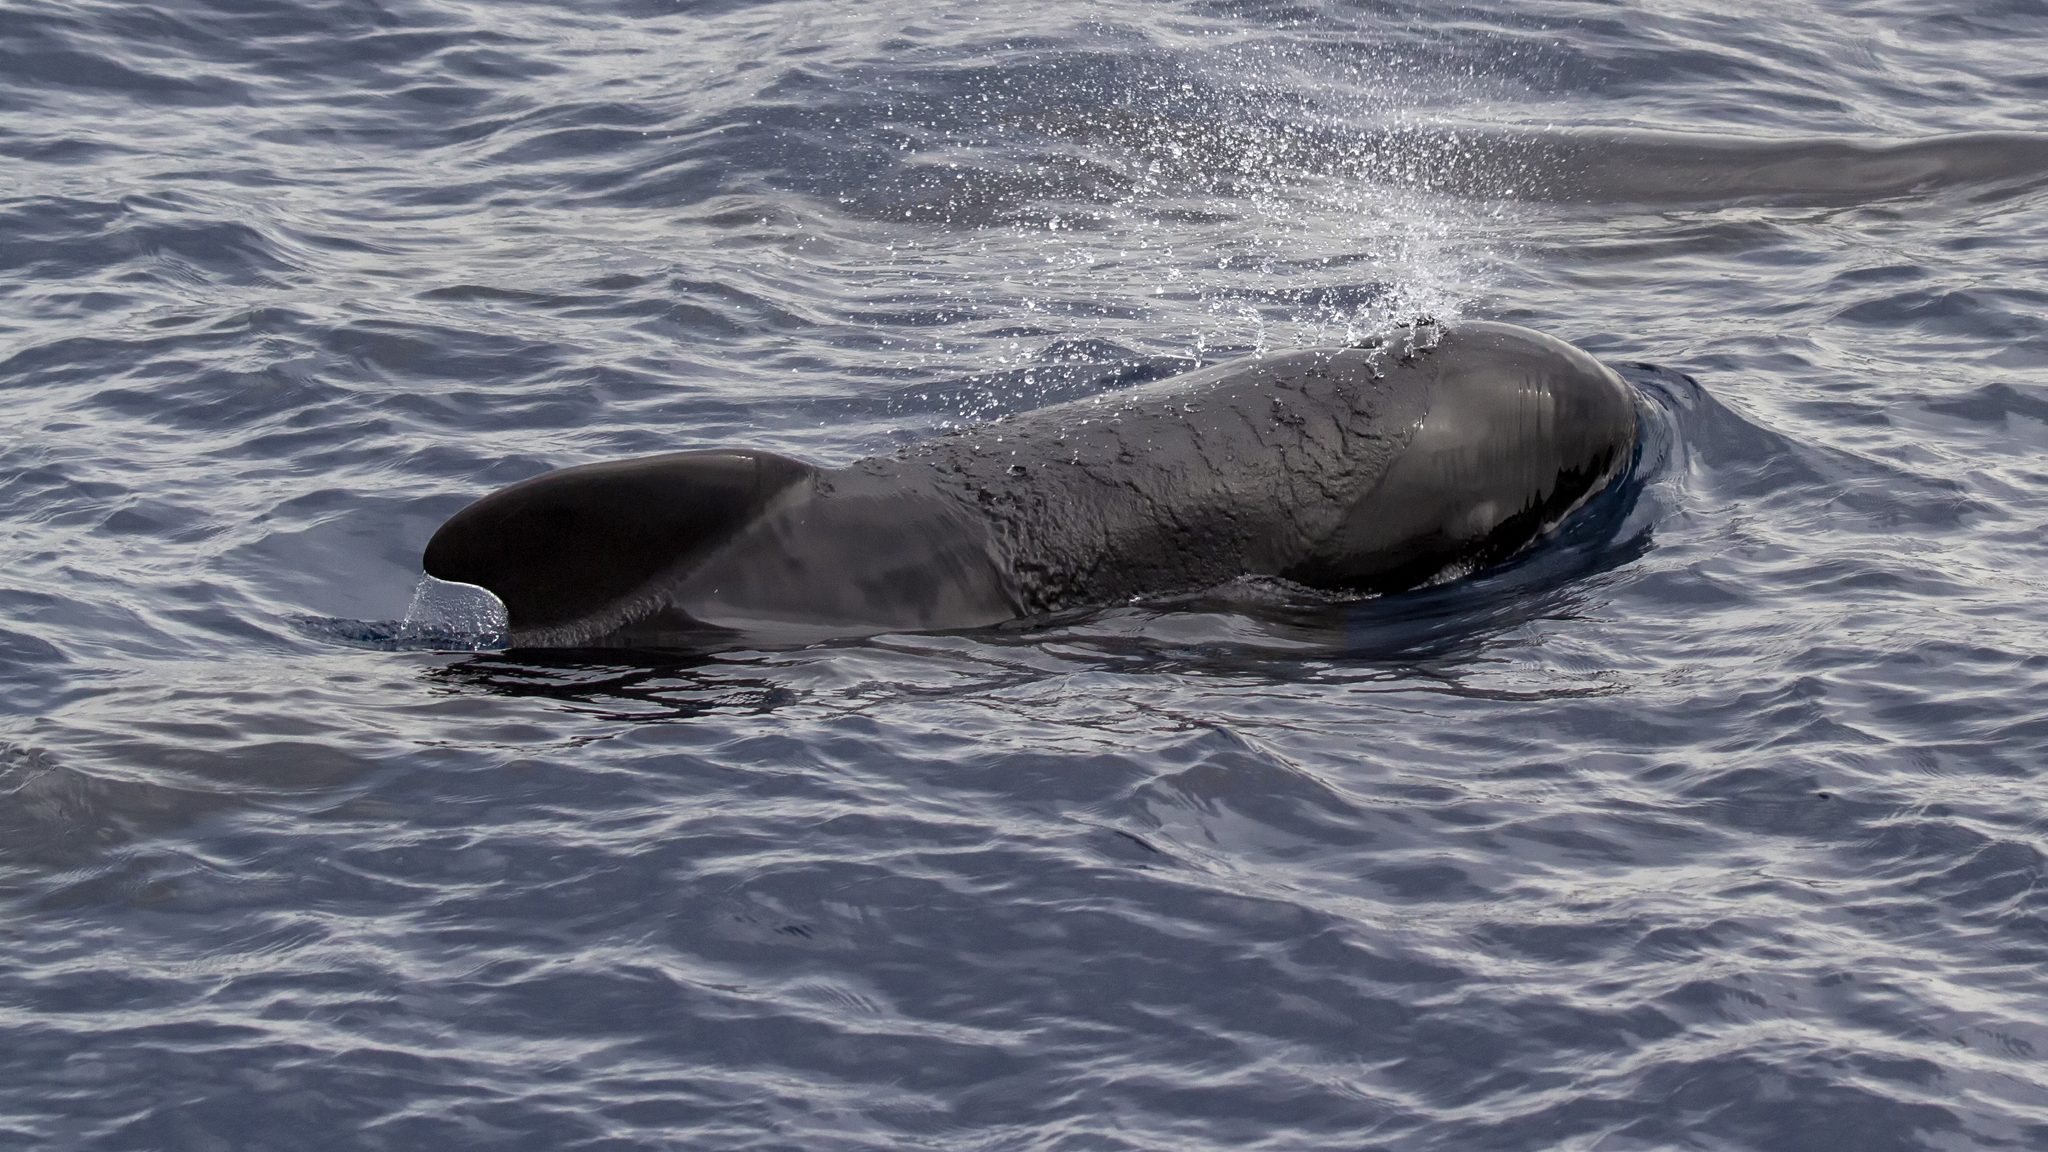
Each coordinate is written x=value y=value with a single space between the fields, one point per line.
x=1713 y=823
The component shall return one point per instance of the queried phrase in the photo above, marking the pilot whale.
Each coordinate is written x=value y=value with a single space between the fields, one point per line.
x=1420 y=455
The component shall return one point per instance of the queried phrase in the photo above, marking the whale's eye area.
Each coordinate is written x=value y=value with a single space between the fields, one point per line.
x=560 y=546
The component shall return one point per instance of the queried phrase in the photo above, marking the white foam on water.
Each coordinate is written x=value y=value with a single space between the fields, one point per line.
x=447 y=613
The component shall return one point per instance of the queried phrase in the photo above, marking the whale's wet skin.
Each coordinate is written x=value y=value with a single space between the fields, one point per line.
x=1366 y=469
x=980 y=665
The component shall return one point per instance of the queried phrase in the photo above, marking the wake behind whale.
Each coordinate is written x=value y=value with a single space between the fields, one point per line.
x=1424 y=455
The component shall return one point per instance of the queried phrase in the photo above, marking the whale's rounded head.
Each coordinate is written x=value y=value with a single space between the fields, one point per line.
x=581 y=548
x=1520 y=429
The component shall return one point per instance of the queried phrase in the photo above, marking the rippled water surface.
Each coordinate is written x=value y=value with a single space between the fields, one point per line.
x=1712 y=823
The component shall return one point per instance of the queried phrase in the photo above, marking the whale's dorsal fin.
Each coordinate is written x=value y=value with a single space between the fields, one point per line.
x=570 y=545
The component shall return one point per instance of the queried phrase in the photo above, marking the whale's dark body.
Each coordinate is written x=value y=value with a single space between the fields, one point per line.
x=1434 y=452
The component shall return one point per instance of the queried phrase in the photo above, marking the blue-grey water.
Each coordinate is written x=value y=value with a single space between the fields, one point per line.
x=1715 y=822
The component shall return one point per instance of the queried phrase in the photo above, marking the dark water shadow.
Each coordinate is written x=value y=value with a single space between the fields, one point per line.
x=1695 y=170
x=634 y=684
